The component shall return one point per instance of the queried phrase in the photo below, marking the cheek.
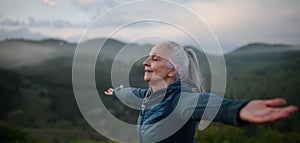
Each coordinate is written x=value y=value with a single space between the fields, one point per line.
x=163 y=71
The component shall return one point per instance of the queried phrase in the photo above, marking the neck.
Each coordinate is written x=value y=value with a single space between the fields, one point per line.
x=160 y=84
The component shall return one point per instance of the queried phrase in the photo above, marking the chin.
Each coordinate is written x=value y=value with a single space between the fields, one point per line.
x=146 y=79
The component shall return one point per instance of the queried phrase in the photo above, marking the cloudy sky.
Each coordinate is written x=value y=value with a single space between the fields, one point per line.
x=234 y=22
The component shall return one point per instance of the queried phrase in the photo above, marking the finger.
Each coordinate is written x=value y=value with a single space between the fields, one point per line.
x=275 y=102
x=106 y=92
x=109 y=91
x=281 y=113
x=273 y=116
x=277 y=114
x=290 y=109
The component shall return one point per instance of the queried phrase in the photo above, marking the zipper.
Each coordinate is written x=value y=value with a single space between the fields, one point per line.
x=142 y=118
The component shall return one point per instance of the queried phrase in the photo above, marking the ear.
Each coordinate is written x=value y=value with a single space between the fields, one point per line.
x=173 y=72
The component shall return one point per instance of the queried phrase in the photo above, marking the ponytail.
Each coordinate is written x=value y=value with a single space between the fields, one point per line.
x=194 y=74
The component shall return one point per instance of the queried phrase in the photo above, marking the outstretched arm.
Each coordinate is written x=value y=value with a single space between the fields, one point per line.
x=234 y=111
x=263 y=111
x=131 y=97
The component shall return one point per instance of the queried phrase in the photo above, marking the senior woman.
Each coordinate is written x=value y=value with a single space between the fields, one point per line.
x=174 y=78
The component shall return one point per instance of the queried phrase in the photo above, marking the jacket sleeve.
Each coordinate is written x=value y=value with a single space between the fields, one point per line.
x=227 y=110
x=131 y=97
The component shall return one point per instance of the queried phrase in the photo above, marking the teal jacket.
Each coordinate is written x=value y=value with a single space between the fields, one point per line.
x=170 y=115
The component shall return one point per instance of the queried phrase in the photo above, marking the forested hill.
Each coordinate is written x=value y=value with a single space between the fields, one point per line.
x=256 y=48
x=264 y=71
x=36 y=91
x=262 y=55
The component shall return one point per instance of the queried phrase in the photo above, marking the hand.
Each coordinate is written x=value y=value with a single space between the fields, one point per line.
x=109 y=92
x=263 y=111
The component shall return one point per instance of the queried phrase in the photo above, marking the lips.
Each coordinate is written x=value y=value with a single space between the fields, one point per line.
x=148 y=71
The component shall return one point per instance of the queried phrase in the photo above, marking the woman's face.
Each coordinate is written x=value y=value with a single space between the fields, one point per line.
x=157 y=65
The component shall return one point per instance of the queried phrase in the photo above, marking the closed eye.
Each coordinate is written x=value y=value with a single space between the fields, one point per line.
x=155 y=58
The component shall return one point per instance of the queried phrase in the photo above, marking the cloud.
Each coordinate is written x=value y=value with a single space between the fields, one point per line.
x=239 y=23
x=18 y=53
x=32 y=29
x=234 y=22
x=21 y=33
x=51 y=3
x=31 y=22
x=71 y=34
x=10 y=22
x=48 y=23
x=84 y=4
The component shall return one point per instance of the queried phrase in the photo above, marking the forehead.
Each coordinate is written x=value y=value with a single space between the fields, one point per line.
x=161 y=51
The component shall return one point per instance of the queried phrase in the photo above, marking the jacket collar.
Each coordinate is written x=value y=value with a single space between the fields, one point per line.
x=187 y=86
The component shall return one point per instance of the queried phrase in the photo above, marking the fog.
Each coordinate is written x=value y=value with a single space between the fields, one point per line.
x=14 y=54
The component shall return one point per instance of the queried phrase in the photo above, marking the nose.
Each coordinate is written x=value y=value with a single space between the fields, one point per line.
x=146 y=63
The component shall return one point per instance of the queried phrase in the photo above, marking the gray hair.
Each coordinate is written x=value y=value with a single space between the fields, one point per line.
x=187 y=63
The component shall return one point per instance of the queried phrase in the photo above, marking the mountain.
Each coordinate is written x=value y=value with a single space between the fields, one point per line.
x=18 y=53
x=260 y=48
x=19 y=33
x=261 y=56
x=264 y=71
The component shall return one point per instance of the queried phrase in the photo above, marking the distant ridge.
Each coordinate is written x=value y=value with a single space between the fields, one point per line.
x=107 y=39
x=55 y=41
x=268 y=44
x=52 y=40
x=256 y=48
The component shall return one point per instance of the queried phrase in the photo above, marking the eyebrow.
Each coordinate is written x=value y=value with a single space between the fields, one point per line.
x=150 y=54
x=155 y=55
